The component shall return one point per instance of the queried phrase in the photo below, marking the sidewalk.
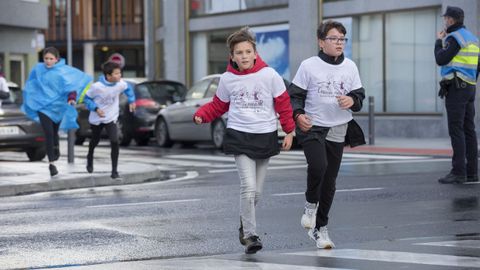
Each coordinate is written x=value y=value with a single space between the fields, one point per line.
x=19 y=176
x=24 y=177
x=406 y=146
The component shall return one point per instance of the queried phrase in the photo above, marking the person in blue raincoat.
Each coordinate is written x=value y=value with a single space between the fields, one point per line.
x=49 y=97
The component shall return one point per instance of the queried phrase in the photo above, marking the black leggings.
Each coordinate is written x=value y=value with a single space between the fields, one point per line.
x=112 y=135
x=323 y=158
x=51 y=136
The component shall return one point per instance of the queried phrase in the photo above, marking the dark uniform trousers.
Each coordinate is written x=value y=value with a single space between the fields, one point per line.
x=460 y=105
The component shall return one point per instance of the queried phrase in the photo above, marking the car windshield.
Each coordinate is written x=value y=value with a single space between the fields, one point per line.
x=165 y=92
x=198 y=90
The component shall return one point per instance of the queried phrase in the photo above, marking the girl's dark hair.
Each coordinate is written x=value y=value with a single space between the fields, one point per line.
x=324 y=27
x=244 y=34
x=51 y=50
x=109 y=67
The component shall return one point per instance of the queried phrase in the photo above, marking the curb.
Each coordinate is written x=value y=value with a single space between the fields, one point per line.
x=82 y=182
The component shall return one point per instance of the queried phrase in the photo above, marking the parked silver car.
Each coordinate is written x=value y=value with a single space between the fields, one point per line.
x=174 y=123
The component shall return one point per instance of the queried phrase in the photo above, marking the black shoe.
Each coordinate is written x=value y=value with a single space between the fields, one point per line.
x=252 y=244
x=52 y=169
x=472 y=178
x=89 y=165
x=115 y=175
x=241 y=235
x=452 y=179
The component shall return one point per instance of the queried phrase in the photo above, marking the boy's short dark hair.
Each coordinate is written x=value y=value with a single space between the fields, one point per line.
x=51 y=50
x=241 y=35
x=324 y=27
x=109 y=67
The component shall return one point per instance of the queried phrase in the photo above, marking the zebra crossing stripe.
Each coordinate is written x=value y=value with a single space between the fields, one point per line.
x=396 y=256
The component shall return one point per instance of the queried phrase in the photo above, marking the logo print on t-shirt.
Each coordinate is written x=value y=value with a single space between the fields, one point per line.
x=248 y=100
x=332 y=88
x=104 y=101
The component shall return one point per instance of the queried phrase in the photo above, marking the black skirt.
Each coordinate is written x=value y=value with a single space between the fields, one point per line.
x=255 y=146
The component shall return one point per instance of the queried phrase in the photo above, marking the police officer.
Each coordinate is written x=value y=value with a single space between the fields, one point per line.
x=457 y=52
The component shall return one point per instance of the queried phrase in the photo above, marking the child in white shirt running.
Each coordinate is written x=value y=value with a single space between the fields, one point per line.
x=102 y=99
x=253 y=94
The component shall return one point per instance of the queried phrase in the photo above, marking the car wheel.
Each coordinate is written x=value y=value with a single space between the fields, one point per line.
x=36 y=154
x=124 y=137
x=142 y=140
x=218 y=131
x=161 y=133
x=79 y=140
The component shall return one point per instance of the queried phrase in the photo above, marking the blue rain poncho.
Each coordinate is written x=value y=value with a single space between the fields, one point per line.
x=47 y=91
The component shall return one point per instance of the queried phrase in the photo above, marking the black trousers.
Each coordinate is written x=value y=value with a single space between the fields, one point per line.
x=50 y=129
x=460 y=105
x=112 y=132
x=323 y=158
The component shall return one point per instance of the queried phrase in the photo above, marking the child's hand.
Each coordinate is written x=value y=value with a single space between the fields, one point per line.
x=100 y=112
x=345 y=102
x=198 y=120
x=132 y=107
x=287 y=141
x=303 y=122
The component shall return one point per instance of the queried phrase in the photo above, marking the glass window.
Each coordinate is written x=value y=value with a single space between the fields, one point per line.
x=198 y=90
x=205 y=7
x=411 y=80
x=367 y=52
x=394 y=55
x=213 y=88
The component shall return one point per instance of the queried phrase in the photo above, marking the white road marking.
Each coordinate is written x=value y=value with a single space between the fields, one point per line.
x=207 y=263
x=338 y=190
x=396 y=256
x=343 y=164
x=458 y=243
x=142 y=203
x=351 y=155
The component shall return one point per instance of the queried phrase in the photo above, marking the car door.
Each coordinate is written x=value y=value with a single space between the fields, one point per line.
x=181 y=126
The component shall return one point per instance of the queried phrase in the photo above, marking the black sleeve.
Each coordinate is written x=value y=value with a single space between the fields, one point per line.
x=443 y=55
x=358 y=95
x=297 y=98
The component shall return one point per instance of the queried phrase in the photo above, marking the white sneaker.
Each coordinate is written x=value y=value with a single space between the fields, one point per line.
x=309 y=215
x=321 y=238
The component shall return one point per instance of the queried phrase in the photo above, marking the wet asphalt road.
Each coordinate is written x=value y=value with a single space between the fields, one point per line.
x=378 y=200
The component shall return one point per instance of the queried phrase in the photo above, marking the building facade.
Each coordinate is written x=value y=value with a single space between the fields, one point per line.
x=21 y=26
x=391 y=42
x=100 y=29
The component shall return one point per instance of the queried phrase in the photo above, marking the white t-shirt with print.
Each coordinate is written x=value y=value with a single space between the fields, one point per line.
x=324 y=82
x=251 y=99
x=106 y=97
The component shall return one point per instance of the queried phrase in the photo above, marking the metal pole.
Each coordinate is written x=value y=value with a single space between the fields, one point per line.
x=71 y=132
x=371 y=120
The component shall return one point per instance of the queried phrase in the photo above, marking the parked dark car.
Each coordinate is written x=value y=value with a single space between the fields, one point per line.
x=150 y=96
x=17 y=132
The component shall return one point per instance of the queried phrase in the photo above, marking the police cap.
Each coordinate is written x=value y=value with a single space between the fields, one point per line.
x=454 y=12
